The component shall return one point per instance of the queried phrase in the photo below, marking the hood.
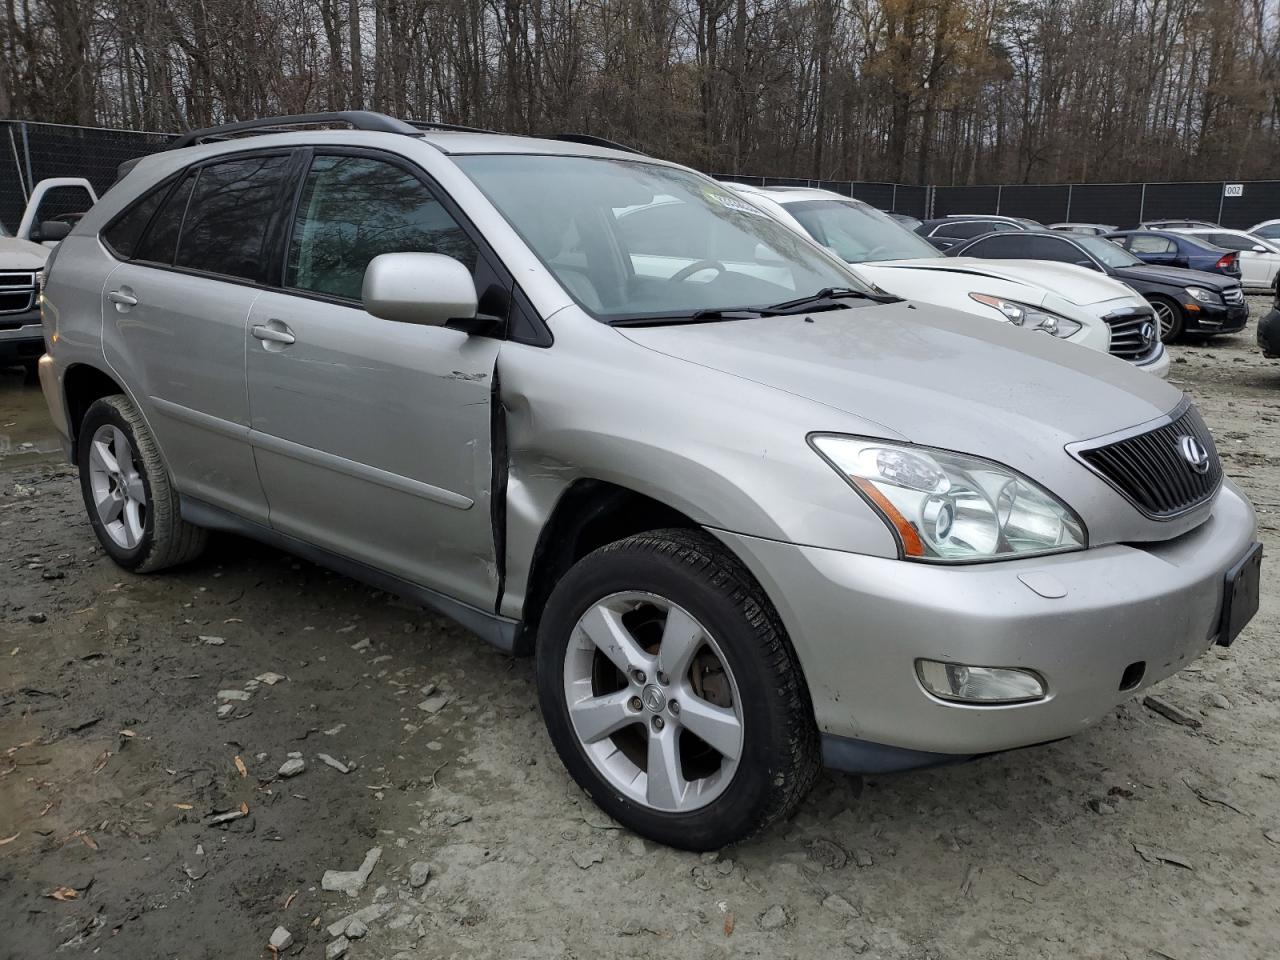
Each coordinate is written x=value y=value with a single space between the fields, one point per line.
x=1178 y=276
x=935 y=376
x=1078 y=285
x=21 y=254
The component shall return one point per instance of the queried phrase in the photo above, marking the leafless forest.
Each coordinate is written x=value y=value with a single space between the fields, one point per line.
x=941 y=91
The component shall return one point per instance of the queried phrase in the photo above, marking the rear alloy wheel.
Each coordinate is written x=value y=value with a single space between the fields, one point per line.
x=131 y=501
x=1172 y=321
x=671 y=693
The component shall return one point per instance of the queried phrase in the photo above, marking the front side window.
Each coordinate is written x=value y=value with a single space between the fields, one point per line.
x=355 y=208
x=230 y=214
x=1142 y=244
x=631 y=239
x=1108 y=252
x=859 y=234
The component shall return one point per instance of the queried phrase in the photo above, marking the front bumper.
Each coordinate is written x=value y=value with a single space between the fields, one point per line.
x=1216 y=317
x=1157 y=364
x=21 y=337
x=1269 y=334
x=859 y=623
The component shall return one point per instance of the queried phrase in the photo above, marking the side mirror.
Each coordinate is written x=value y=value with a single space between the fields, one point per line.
x=424 y=288
x=1258 y=248
x=51 y=231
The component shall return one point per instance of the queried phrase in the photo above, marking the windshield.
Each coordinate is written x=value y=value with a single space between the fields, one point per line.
x=859 y=234
x=630 y=239
x=1108 y=252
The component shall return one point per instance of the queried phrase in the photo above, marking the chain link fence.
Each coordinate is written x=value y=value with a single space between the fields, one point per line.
x=31 y=152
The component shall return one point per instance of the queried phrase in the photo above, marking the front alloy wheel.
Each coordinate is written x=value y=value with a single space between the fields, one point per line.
x=671 y=692
x=652 y=702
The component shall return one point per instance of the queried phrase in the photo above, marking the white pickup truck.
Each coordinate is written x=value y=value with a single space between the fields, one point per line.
x=22 y=259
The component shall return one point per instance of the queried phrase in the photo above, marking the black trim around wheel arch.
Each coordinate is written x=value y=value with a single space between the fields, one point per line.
x=499 y=631
x=847 y=755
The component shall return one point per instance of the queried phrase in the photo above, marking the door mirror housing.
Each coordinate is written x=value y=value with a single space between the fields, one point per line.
x=1258 y=248
x=51 y=231
x=429 y=289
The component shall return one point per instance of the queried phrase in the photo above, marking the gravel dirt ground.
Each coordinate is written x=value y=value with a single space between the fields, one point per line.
x=142 y=813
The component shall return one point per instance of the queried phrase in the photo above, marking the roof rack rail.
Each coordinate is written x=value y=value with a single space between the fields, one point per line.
x=436 y=125
x=356 y=119
x=590 y=141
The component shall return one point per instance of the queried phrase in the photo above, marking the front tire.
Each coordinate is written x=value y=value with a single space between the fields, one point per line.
x=671 y=692
x=1173 y=321
x=127 y=491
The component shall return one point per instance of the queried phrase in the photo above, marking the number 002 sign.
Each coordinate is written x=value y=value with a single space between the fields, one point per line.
x=1233 y=189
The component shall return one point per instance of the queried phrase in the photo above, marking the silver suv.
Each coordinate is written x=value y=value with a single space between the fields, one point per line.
x=750 y=515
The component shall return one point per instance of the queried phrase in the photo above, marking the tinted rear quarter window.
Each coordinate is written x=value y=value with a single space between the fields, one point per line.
x=230 y=215
x=125 y=231
x=162 y=236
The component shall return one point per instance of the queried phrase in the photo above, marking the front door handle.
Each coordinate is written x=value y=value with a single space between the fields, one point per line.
x=273 y=331
x=122 y=298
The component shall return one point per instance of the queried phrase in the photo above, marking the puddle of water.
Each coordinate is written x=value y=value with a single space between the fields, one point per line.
x=27 y=435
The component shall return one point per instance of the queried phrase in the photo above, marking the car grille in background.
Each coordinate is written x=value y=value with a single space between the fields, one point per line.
x=1233 y=296
x=1134 y=334
x=17 y=291
x=1154 y=470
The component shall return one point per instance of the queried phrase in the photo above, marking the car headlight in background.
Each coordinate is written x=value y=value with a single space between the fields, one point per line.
x=1203 y=295
x=1025 y=315
x=949 y=507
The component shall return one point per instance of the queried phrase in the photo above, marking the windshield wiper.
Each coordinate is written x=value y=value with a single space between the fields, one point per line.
x=697 y=316
x=827 y=298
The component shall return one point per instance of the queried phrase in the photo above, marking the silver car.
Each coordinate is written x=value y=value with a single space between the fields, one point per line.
x=750 y=515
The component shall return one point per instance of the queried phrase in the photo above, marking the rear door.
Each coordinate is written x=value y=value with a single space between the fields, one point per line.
x=372 y=437
x=175 y=313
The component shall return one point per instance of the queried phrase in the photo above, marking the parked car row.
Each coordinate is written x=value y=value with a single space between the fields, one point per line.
x=761 y=480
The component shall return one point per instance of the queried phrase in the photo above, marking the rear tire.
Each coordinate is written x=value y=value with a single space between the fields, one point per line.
x=712 y=692
x=127 y=491
x=1173 y=320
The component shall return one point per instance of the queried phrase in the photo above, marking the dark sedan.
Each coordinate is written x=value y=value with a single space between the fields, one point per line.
x=1168 y=249
x=1186 y=301
x=946 y=232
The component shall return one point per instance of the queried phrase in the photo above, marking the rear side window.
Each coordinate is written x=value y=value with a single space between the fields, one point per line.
x=126 y=230
x=162 y=238
x=1151 y=245
x=1005 y=247
x=230 y=215
x=1049 y=248
x=964 y=229
x=353 y=209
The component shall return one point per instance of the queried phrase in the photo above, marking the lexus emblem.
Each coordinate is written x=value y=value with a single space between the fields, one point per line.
x=1148 y=334
x=653 y=698
x=1194 y=453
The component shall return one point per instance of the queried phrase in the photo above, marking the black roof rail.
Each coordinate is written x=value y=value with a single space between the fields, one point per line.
x=457 y=127
x=590 y=141
x=356 y=119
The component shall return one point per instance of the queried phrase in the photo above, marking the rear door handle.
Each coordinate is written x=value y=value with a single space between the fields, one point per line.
x=122 y=298
x=273 y=334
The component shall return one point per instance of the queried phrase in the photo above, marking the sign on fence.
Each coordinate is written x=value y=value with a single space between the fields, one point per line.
x=1233 y=189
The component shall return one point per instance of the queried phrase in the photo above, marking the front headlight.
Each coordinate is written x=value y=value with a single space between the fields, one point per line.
x=1203 y=295
x=1025 y=315
x=950 y=508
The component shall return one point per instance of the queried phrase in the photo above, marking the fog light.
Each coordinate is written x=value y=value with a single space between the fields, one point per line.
x=966 y=684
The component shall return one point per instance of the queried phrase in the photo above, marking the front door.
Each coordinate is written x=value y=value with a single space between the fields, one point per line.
x=372 y=438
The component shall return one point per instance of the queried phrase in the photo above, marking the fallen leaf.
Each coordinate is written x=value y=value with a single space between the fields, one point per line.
x=102 y=761
x=728 y=924
x=62 y=893
x=244 y=808
x=290 y=900
x=87 y=840
x=127 y=733
x=10 y=839
x=183 y=806
x=241 y=767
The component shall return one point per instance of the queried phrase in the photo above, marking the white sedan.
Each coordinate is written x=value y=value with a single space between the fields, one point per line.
x=1064 y=300
x=1259 y=257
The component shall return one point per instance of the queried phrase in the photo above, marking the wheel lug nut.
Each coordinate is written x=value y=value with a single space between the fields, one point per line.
x=638 y=676
x=674 y=706
x=635 y=704
x=657 y=723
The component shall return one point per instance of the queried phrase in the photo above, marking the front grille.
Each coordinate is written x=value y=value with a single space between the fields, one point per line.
x=17 y=291
x=1134 y=334
x=1233 y=296
x=1154 y=470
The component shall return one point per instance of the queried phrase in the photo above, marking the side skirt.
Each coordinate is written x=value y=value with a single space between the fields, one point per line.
x=499 y=631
